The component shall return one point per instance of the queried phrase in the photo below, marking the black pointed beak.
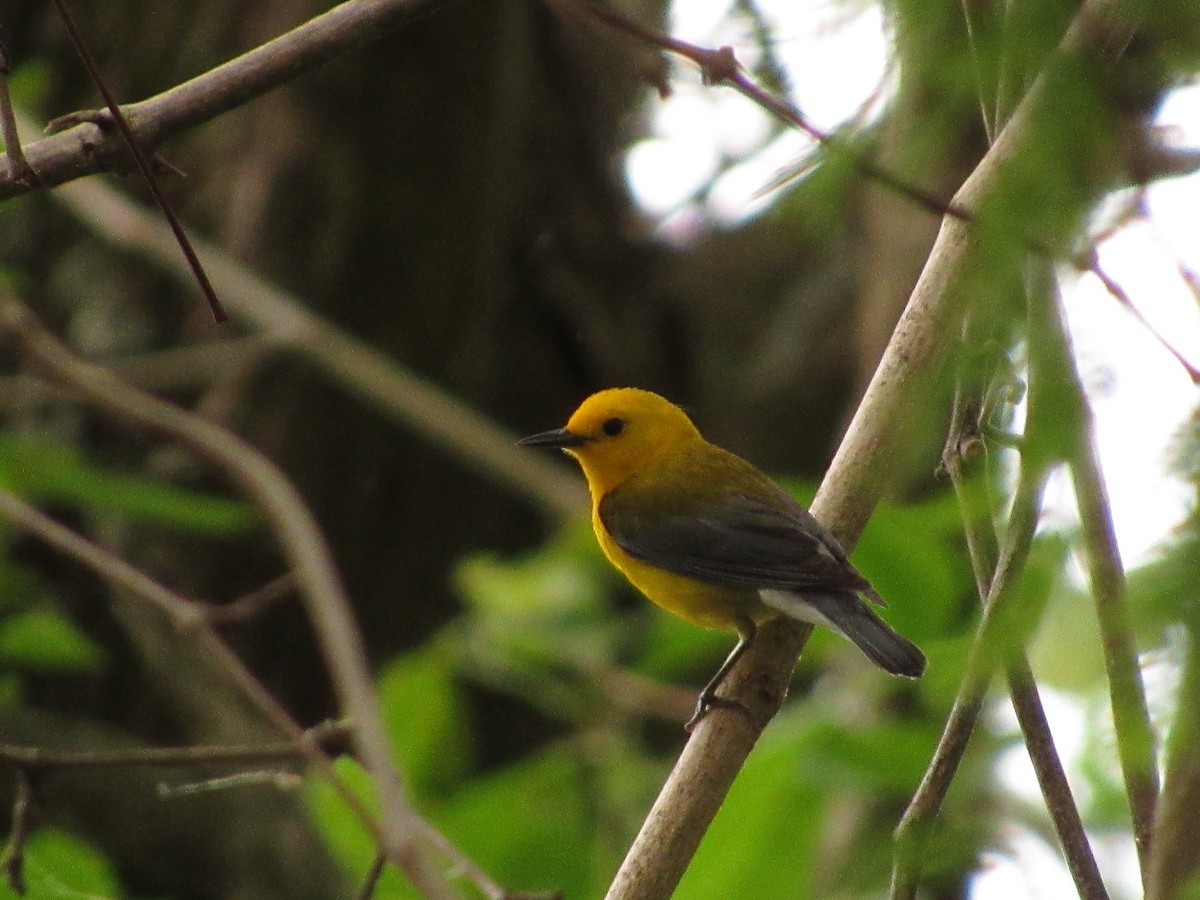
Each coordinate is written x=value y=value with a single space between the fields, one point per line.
x=559 y=437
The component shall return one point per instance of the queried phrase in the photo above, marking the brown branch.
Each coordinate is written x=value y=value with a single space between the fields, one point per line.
x=18 y=165
x=253 y=604
x=301 y=542
x=720 y=66
x=903 y=397
x=143 y=163
x=1090 y=262
x=187 y=617
x=87 y=148
x=42 y=759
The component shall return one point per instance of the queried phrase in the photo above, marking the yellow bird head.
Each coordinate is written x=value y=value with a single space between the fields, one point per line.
x=618 y=432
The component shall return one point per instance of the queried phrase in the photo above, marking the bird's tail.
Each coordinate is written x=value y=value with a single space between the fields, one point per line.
x=846 y=614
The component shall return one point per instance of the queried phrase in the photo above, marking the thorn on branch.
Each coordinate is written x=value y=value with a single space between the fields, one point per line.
x=101 y=118
x=718 y=66
x=22 y=171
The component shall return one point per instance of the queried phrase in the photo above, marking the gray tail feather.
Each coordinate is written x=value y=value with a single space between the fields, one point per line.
x=859 y=623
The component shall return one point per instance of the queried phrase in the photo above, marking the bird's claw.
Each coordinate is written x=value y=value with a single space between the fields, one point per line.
x=707 y=702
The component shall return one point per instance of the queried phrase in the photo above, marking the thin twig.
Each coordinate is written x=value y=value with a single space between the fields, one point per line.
x=720 y=66
x=1090 y=262
x=253 y=604
x=370 y=881
x=1131 y=716
x=963 y=440
x=18 y=166
x=1175 y=862
x=913 y=832
x=301 y=542
x=86 y=148
x=44 y=759
x=1050 y=342
x=143 y=163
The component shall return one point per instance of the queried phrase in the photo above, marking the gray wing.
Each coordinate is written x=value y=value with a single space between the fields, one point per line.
x=739 y=540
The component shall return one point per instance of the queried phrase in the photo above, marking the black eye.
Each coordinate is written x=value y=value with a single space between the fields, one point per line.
x=614 y=426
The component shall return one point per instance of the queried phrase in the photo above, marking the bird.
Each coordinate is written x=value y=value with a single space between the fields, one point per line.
x=707 y=536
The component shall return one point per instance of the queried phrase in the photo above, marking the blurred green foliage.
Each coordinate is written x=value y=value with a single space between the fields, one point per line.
x=56 y=472
x=59 y=866
x=39 y=639
x=548 y=626
x=811 y=813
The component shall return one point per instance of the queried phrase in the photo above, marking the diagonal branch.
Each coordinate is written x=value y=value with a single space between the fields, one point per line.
x=964 y=441
x=187 y=616
x=915 y=828
x=142 y=161
x=904 y=397
x=88 y=148
x=302 y=544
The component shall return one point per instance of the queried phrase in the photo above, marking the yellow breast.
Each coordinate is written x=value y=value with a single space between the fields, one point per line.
x=707 y=605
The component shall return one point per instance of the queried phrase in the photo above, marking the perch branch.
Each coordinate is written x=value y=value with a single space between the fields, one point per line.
x=903 y=396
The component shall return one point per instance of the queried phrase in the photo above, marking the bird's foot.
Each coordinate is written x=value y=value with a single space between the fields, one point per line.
x=707 y=702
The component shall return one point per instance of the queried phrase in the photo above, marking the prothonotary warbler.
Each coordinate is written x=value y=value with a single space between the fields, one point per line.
x=710 y=538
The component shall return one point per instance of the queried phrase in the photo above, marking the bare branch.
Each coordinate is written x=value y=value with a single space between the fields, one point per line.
x=301 y=541
x=42 y=759
x=143 y=163
x=17 y=163
x=903 y=397
x=912 y=835
x=87 y=148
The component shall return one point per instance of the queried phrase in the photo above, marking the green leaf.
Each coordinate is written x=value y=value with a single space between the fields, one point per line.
x=567 y=575
x=529 y=825
x=343 y=832
x=42 y=639
x=426 y=718
x=59 y=866
x=52 y=471
x=888 y=756
x=763 y=842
